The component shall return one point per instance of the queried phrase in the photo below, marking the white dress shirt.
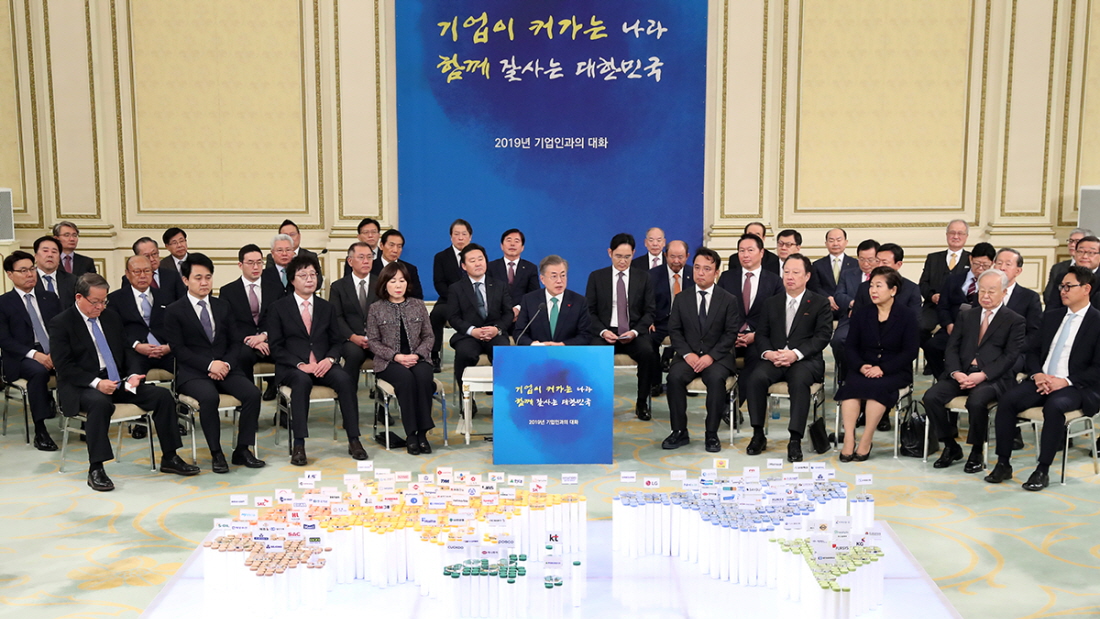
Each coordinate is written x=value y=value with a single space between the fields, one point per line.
x=614 y=324
x=1061 y=367
x=754 y=286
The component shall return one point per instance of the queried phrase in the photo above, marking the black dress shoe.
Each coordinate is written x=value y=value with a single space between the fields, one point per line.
x=437 y=364
x=243 y=456
x=757 y=445
x=412 y=447
x=219 y=463
x=656 y=390
x=847 y=457
x=139 y=432
x=425 y=446
x=1018 y=440
x=794 y=451
x=298 y=455
x=175 y=464
x=973 y=466
x=355 y=449
x=884 y=424
x=712 y=444
x=98 y=481
x=950 y=454
x=1000 y=473
x=44 y=442
x=642 y=411
x=858 y=457
x=677 y=439
x=269 y=393
x=1037 y=481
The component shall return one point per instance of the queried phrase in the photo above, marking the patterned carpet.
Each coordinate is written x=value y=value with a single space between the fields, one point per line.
x=996 y=551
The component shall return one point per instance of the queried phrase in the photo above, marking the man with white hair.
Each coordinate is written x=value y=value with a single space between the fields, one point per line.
x=937 y=267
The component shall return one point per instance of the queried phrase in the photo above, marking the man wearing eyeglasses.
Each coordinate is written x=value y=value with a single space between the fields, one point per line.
x=249 y=297
x=1087 y=255
x=175 y=239
x=1050 y=293
x=24 y=313
x=959 y=289
x=71 y=262
x=305 y=343
x=937 y=267
x=165 y=278
x=141 y=309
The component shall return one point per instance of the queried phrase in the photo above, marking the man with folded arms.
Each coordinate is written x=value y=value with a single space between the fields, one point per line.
x=980 y=361
x=1063 y=367
x=201 y=332
x=95 y=370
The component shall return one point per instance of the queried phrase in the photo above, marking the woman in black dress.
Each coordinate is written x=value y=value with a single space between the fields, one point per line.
x=882 y=344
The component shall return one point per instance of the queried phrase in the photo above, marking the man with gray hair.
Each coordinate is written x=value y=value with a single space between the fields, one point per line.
x=937 y=267
x=1051 y=294
x=983 y=355
x=282 y=252
x=68 y=235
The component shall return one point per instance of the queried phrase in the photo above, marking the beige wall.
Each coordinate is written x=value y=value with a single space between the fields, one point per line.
x=889 y=118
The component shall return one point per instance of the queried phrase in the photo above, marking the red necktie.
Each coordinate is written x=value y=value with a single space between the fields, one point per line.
x=68 y=263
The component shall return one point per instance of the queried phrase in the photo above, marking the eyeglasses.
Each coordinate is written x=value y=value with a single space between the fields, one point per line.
x=141 y=271
x=1067 y=287
x=25 y=271
x=102 y=303
x=868 y=260
x=786 y=245
x=306 y=275
x=253 y=263
x=69 y=235
x=956 y=233
x=1085 y=252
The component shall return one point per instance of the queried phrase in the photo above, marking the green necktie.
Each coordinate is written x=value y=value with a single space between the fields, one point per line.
x=553 y=315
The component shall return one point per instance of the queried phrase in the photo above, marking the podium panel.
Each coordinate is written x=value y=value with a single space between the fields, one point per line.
x=553 y=404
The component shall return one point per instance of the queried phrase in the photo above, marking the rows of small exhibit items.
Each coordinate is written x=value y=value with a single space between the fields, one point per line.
x=483 y=549
x=807 y=539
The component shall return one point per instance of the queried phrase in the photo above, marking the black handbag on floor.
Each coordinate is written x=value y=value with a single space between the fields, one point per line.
x=912 y=435
x=818 y=436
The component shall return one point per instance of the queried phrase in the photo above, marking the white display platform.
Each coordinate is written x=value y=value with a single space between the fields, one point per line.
x=649 y=587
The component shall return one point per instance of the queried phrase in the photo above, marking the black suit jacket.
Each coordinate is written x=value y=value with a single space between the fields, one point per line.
x=662 y=294
x=344 y=297
x=640 y=302
x=997 y=354
x=1056 y=302
x=716 y=336
x=822 y=272
x=935 y=271
x=573 y=328
x=75 y=358
x=16 y=332
x=135 y=330
x=847 y=290
x=169 y=279
x=193 y=350
x=414 y=289
x=810 y=332
x=769 y=285
x=952 y=296
x=526 y=279
x=236 y=295
x=289 y=340
x=302 y=251
x=81 y=264
x=1051 y=294
x=908 y=296
x=1084 y=356
x=64 y=288
x=645 y=261
x=462 y=301
x=1025 y=302
x=446 y=271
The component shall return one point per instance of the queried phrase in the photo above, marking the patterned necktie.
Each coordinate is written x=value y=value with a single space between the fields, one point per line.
x=307 y=320
x=973 y=287
x=511 y=272
x=147 y=316
x=254 y=303
x=36 y=325
x=363 y=297
x=481 y=309
x=204 y=318
x=105 y=351
x=1059 y=346
x=702 y=309
x=621 y=314
x=656 y=262
x=553 y=316
x=68 y=262
x=49 y=283
x=676 y=284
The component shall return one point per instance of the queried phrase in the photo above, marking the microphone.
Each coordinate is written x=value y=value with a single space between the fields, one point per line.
x=542 y=306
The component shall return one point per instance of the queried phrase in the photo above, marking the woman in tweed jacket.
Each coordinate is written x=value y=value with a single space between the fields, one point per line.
x=400 y=337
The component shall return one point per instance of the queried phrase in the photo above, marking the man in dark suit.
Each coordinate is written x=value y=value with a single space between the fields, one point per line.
x=620 y=309
x=828 y=271
x=290 y=229
x=306 y=344
x=958 y=289
x=368 y=232
x=522 y=275
x=47 y=256
x=175 y=241
x=446 y=271
x=981 y=358
x=141 y=309
x=668 y=280
x=250 y=298
x=1050 y=293
x=752 y=284
x=71 y=262
x=201 y=332
x=481 y=311
x=393 y=243
x=96 y=369
x=555 y=316
x=274 y=274
x=1023 y=301
x=24 y=314
x=937 y=266
x=794 y=331
x=350 y=296
x=655 y=251
x=1063 y=367
x=1087 y=255
x=768 y=260
x=703 y=328
x=165 y=278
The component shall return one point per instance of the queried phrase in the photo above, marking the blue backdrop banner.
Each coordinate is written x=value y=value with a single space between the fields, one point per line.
x=553 y=404
x=571 y=120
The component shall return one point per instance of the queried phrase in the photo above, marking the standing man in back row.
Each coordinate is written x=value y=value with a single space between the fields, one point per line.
x=937 y=267
x=446 y=270
x=521 y=275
